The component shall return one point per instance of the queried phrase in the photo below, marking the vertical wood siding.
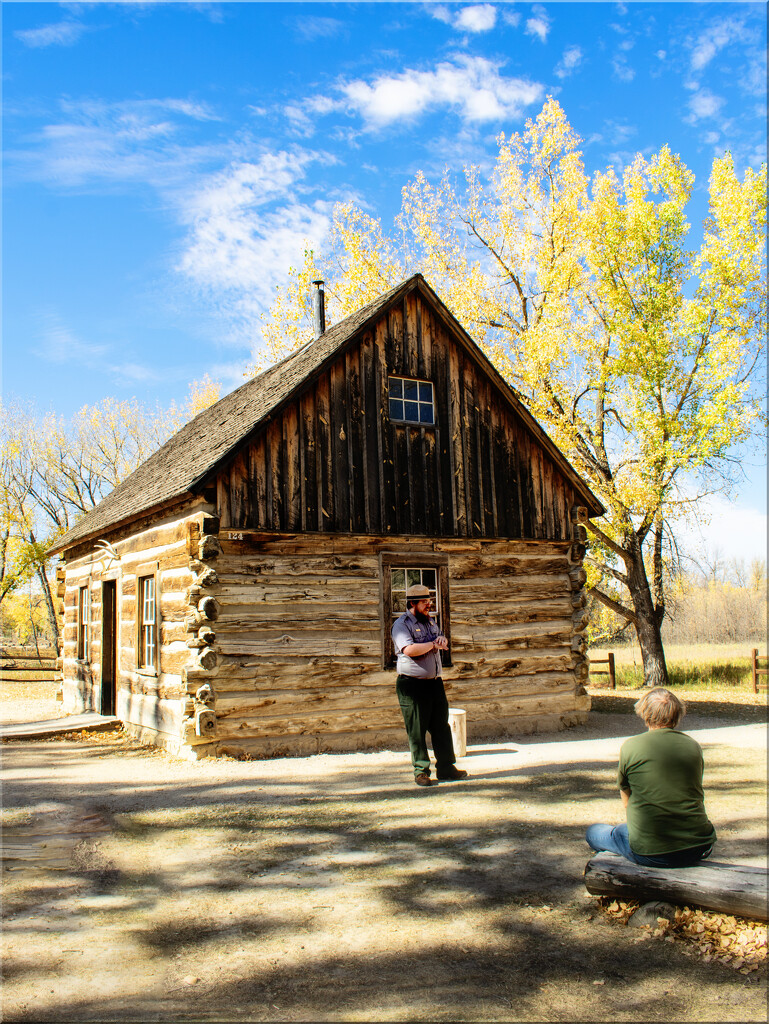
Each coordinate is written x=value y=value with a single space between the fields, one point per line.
x=331 y=461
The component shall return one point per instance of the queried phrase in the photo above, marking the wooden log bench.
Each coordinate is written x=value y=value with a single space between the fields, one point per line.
x=730 y=888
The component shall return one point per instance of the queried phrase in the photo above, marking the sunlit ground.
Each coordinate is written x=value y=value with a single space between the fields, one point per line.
x=143 y=887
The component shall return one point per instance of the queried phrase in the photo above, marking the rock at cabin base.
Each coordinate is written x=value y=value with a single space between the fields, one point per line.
x=649 y=912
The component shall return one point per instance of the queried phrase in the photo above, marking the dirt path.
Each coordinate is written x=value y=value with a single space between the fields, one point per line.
x=332 y=888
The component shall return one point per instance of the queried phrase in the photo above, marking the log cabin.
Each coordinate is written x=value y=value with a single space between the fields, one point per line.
x=235 y=594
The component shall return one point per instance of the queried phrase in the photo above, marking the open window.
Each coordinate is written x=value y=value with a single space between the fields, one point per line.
x=411 y=401
x=398 y=573
x=83 y=622
x=147 y=647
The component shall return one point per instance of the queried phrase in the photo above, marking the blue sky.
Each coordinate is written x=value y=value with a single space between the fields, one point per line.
x=164 y=164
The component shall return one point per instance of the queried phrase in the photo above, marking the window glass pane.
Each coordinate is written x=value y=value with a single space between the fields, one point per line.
x=396 y=387
x=428 y=578
x=411 y=412
x=413 y=577
x=399 y=579
x=426 y=393
x=396 y=409
x=410 y=390
x=149 y=599
x=425 y=414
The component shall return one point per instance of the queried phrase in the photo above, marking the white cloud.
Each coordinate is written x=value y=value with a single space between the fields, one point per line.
x=135 y=140
x=711 y=138
x=715 y=38
x=231 y=374
x=703 y=104
x=753 y=78
x=478 y=18
x=59 y=345
x=511 y=18
x=569 y=62
x=311 y=27
x=64 y=33
x=475 y=18
x=538 y=24
x=247 y=226
x=472 y=86
x=618 y=134
x=622 y=69
x=441 y=13
x=321 y=105
x=298 y=119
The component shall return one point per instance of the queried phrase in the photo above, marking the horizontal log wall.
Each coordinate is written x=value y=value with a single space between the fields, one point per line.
x=298 y=640
x=332 y=461
x=147 y=699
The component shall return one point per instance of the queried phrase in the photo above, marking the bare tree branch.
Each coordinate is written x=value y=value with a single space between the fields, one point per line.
x=614 y=606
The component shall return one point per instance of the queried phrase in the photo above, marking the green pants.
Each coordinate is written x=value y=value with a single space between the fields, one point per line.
x=425 y=709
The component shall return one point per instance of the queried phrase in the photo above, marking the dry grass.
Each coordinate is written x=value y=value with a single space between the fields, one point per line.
x=20 y=689
x=698 y=668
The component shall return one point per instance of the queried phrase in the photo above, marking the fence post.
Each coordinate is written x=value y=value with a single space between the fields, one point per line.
x=612 y=677
x=754 y=659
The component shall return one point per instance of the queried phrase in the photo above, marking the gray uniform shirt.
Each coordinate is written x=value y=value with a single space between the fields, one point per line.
x=409 y=630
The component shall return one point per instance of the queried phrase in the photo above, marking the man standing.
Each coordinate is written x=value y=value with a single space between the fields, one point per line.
x=419 y=686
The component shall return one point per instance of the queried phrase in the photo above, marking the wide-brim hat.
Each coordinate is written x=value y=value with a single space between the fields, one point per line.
x=417 y=593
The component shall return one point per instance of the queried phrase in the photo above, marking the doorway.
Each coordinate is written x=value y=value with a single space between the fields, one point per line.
x=108 y=647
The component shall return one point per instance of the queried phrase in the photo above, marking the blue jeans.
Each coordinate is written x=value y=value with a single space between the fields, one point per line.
x=616 y=840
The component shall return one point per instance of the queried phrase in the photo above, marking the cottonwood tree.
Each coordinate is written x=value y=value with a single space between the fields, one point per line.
x=638 y=353
x=56 y=470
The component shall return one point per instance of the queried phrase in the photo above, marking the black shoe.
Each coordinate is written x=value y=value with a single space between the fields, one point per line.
x=453 y=775
x=423 y=779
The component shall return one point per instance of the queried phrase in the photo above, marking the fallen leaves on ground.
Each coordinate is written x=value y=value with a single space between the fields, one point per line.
x=719 y=938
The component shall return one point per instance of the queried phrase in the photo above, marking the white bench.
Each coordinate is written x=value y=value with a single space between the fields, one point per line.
x=730 y=888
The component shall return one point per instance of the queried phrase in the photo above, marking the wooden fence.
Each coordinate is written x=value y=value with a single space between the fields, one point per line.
x=604 y=671
x=755 y=658
x=28 y=665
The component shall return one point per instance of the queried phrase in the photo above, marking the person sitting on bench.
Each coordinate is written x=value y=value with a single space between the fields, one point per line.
x=660 y=783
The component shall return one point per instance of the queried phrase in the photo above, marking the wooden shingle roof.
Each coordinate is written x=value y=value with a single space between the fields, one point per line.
x=178 y=468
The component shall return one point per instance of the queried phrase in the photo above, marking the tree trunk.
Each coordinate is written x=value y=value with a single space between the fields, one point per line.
x=45 y=586
x=647 y=621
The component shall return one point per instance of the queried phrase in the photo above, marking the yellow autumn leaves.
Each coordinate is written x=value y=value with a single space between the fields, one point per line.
x=724 y=938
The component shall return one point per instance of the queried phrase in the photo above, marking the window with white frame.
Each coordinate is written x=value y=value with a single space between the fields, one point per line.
x=83 y=620
x=411 y=401
x=148 y=624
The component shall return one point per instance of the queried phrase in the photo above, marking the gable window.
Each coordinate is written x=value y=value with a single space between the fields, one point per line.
x=411 y=401
x=83 y=619
x=400 y=572
x=148 y=623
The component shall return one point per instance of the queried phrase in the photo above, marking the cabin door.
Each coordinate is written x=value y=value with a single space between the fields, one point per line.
x=108 y=646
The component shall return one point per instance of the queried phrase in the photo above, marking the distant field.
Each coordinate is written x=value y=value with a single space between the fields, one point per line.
x=710 y=666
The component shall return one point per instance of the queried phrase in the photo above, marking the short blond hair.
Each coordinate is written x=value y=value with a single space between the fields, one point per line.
x=660 y=709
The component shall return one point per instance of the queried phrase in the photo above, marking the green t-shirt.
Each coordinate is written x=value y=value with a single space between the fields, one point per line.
x=663 y=769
